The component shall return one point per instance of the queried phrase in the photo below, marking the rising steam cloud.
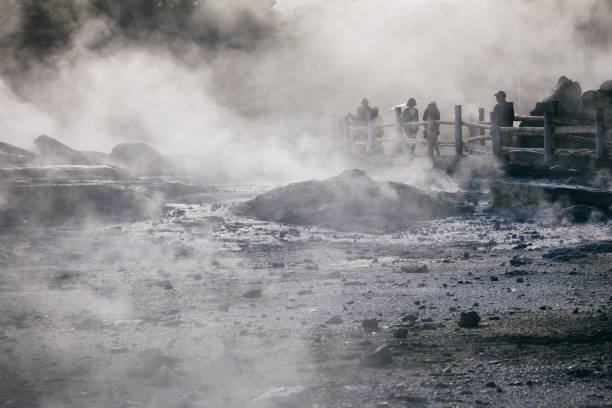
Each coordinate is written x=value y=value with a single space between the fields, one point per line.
x=263 y=82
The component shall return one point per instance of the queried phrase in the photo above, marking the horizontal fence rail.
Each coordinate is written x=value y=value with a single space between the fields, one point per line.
x=552 y=128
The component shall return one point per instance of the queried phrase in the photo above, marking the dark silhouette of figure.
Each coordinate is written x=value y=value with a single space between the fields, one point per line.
x=432 y=131
x=410 y=114
x=503 y=115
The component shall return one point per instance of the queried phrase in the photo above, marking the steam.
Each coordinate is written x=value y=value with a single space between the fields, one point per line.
x=257 y=87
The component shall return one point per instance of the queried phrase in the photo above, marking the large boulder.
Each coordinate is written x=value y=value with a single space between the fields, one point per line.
x=352 y=202
x=140 y=158
x=55 y=152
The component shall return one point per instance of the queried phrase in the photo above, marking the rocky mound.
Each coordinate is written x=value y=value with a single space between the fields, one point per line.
x=55 y=152
x=14 y=156
x=140 y=158
x=352 y=202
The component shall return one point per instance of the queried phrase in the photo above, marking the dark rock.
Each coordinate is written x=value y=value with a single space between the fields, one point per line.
x=409 y=318
x=414 y=269
x=140 y=158
x=491 y=384
x=55 y=152
x=517 y=272
x=252 y=294
x=352 y=202
x=581 y=214
x=519 y=280
x=579 y=251
x=378 y=357
x=335 y=320
x=469 y=319
x=519 y=261
x=494 y=279
x=370 y=324
x=400 y=332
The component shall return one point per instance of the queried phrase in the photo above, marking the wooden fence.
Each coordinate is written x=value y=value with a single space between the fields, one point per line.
x=551 y=130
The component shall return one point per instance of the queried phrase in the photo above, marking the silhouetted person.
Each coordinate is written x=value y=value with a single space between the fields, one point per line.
x=432 y=131
x=361 y=118
x=410 y=114
x=503 y=115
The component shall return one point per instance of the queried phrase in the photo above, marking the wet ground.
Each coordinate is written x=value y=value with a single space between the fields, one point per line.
x=207 y=309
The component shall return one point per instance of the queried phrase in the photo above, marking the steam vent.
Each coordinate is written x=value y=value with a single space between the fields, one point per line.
x=305 y=203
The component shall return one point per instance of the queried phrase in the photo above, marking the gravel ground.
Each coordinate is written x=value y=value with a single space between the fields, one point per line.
x=207 y=309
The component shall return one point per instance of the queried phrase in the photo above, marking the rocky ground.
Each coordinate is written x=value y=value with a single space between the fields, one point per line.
x=206 y=308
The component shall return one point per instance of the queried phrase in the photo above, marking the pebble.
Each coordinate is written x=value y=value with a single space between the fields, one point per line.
x=469 y=319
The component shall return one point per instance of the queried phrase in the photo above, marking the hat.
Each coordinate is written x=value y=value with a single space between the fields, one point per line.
x=500 y=93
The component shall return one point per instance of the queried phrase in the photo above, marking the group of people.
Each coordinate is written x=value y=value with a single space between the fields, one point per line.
x=503 y=115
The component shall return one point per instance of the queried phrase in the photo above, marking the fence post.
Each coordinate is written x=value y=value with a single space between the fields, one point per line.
x=458 y=131
x=548 y=138
x=600 y=133
x=398 y=126
x=370 y=133
x=346 y=133
x=430 y=142
x=481 y=118
x=495 y=140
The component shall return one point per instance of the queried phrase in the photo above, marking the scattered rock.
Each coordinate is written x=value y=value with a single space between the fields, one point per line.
x=409 y=317
x=400 y=332
x=379 y=357
x=469 y=319
x=370 y=324
x=335 y=320
x=517 y=272
x=252 y=294
x=414 y=269
x=579 y=251
x=519 y=261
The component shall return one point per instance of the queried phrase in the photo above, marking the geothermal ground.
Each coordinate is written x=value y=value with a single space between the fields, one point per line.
x=206 y=308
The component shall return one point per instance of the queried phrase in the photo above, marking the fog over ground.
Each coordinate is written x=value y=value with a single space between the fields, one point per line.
x=258 y=85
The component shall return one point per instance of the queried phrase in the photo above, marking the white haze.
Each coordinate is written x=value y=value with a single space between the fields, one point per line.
x=268 y=113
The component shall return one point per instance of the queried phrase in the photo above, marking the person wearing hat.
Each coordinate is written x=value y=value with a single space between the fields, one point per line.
x=410 y=114
x=503 y=115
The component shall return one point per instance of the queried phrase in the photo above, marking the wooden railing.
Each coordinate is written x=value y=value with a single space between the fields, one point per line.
x=550 y=131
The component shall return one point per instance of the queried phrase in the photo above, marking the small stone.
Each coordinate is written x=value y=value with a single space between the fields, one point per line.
x=494 y=279
x=379 y=357
x=409 y=318
x=335 y=320
x=519 y=280
x=469 y=319
x=491 y=384
x=576 y=311
x=414 y=269
x=400 y=332
x=370 y=324
x=252 y=294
